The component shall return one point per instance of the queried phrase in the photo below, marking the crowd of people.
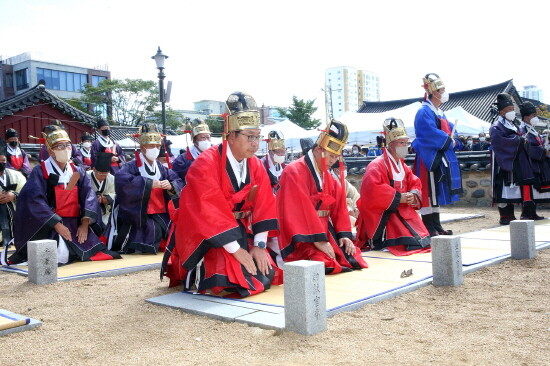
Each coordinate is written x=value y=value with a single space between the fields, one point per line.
x=227 y=220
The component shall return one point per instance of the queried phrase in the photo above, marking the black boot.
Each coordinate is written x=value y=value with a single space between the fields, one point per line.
x=429 y=223
x=529 y=211
x=506 y=214
x=438 y=227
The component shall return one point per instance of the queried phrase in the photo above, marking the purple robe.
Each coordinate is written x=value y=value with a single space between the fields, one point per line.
x=536 y=153
x=97 y=148
x=135 y=228
x=25 y=168
x=181 y=165
x=35 y=217
x=510 y=162
x=76 y=156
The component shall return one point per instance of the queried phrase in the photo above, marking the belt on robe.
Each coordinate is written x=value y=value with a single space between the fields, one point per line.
x=323 y=213
x=241 y=214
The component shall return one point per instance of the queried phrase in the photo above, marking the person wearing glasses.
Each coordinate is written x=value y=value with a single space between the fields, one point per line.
x=103 y=184
x=230 y=209
x=390 y=196
x=312 y=208
x=104 y=143
x=144 y=187
x=76 y=156
x=57 y=202
x=436 y=164
x=200 y=134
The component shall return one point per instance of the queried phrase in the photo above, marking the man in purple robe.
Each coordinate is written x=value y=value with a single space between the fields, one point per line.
x=144 y=187
x=17 y=158
x=513 y=174
x=58 y=203
x=76 y=156
x=105 y=144
x=200 y=134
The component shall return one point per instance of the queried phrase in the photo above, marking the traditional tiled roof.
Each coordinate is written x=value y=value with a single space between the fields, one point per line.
x=39 y=94
x=121 y=132
x=475 y=101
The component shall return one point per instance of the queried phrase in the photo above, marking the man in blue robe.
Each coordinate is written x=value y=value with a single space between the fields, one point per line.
x=436 y=164
x=200 y=134
x=144 y=187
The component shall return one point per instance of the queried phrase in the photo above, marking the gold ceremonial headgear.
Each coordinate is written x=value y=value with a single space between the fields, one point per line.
x=275 y=140
x=334 y=138
x=243 y=113
x=149 y=134
x=200 y=127
x=54 y=134
x=394 y=129
x=432 y=82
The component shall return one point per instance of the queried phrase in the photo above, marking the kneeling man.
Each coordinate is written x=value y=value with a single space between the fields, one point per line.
x=390 y=196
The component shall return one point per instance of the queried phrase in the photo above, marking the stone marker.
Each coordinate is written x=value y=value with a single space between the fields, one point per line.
x=42 y=261
x=305 y=301
x=522 y=239
x=446 y=261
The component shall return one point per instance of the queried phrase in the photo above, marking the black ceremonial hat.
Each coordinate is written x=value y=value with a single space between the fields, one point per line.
x=527 y=109
x=11 y=133
x=103 y=162
x=87 y=137
x=101 y=122
x=504 y=100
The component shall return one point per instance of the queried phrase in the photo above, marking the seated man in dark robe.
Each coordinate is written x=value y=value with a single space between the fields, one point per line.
x=274 y=161
x=11 y=183
x=390 y=196
x=230 y=209
x=312 y=208
x=140 y=220
x=103 y=184
x=17 y=158
x=104 y=143
x=200 y=133
x=86 y=150
x=58 y=203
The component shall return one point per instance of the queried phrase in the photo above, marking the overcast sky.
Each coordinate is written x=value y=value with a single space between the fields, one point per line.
x=276 y=49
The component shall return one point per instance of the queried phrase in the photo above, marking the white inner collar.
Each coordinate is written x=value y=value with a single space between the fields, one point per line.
x=152 y=168
x=64 y=175
x=239 y=168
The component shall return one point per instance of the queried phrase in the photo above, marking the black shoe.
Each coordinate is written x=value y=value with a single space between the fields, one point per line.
x=428 y=221
x=438 y=227
x=506 y=214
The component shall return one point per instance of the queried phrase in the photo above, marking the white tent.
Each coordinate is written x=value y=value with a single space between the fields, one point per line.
x=291 y=132
x=467 y=124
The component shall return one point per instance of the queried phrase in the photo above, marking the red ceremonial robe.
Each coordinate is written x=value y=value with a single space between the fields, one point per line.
x=206 y=221
x=383 y=221
x=300 y=202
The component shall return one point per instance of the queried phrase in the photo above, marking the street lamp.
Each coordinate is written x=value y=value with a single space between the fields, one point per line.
x=159 y=59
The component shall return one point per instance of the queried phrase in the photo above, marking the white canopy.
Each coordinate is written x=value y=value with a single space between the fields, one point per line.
x=292 y=133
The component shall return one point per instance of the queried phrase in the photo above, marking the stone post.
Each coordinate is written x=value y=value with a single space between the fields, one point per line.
x=305 y=301
x=42 y=261
x=446 y=261
x=522 y=239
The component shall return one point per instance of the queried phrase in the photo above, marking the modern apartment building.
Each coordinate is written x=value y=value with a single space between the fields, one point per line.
x=346 y=88
x=532 y=92
x=210 y=106
x=20 y=73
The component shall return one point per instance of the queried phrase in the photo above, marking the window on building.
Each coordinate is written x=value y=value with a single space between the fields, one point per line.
x=97 y=79
x=62 y=80
x=22 y=79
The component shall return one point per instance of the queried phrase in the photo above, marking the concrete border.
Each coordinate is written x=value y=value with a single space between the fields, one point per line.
x=33 y=323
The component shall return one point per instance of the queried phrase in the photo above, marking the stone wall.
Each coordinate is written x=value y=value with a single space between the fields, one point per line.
x=476 y=185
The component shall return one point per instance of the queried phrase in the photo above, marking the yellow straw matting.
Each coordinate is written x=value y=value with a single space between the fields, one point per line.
x=128 y=260
x=344 y=288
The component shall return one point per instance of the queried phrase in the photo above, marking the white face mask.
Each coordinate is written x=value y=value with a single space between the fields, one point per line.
x=278 y=159
x=204 y=145
x=444 y=97
x=87 y=145
x=62 y=156
x=355 y=151
x=402 y=151
x=534 y=120
x=152 y=154
x=510 y=116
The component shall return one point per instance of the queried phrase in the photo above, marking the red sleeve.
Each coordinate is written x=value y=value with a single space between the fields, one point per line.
x=339 y=211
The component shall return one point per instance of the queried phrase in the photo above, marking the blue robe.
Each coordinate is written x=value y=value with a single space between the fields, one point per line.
x=181 y=164
x=35 y=217
x=97 y=148
x=435 y=154
x=131 y=228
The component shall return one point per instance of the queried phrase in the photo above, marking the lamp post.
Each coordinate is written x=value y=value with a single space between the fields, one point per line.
x=159 y=59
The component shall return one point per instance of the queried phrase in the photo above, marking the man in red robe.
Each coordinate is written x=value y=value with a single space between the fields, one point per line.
x=311 y=207
x=390 y=196
x=229 y=210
